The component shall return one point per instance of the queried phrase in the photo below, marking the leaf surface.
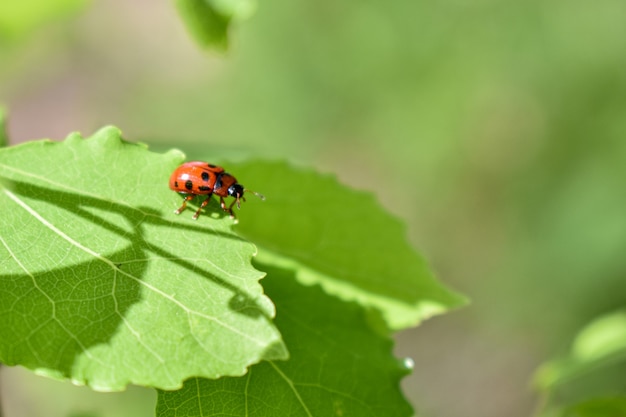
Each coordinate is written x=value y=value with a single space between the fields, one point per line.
x=338 y=366
x=598 y=407
x=341 y=239
x=101 y=283
x=600 y=343
x=208 y=21
x=585 y=382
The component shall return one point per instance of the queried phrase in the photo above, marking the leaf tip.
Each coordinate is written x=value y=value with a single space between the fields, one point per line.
x=106 y=133
x=177 y=155
x=109 y=135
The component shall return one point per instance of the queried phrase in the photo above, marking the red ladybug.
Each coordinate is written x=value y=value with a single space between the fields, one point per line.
x=200 y=178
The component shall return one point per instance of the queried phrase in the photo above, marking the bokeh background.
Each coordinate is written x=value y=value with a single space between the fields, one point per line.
x=495 y=128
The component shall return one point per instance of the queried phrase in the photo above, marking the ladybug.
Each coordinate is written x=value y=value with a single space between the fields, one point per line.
x=201 y=178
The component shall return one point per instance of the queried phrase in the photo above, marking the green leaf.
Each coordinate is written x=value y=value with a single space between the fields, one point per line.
x=338 y=366
x=208 y=20
x=594 y=368
x=234 y=9
x=206 y=25
x=4 y=139
x=600 y=343
x=17 y=18
x=599 y=407
x=341 y=239
x=103 y=284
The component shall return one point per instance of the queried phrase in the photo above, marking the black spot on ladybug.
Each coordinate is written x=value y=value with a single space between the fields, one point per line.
x=189 y=185
x=204 y=188
x=212 y=166
x=205 y=176
x=176 y=184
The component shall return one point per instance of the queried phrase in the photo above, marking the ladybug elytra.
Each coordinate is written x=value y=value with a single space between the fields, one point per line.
x=201 y=178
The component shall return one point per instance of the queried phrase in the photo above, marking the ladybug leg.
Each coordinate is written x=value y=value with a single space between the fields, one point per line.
x=228 y=210
x=203 y=205
x=180 y=210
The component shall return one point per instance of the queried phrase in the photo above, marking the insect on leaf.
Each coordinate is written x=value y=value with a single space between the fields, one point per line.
x=102 y=284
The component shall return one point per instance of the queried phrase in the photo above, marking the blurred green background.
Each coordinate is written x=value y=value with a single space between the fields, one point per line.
x=495 y=128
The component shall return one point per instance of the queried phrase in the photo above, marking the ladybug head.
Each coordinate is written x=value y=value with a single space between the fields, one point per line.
x=236 y=190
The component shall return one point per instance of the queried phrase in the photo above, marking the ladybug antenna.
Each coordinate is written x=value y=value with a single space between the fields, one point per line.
x=238 y=191
x=261 y=196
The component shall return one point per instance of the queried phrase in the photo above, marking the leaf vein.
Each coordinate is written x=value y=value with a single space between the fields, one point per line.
x=292 y=386
x=68 y=188
x=52 y=303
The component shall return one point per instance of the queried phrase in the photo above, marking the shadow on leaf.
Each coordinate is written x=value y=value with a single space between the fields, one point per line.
x=58 y=314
